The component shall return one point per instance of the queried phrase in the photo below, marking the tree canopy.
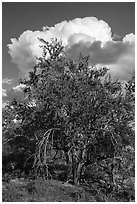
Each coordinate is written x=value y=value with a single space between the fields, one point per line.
x=72 y=113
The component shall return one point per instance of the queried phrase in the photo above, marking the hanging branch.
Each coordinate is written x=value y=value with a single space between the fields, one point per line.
x=40 y=161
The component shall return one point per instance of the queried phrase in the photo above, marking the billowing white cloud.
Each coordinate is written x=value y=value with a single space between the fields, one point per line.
x=6 y=81
x=88 y=35
x=118 y=56
x=4 y=97
x=129 y=38
x=19 y=88
x=14 y=92
x=124 y=67
x=24 y=50
x=4 y=93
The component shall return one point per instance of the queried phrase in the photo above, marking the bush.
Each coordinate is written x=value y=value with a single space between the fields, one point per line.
x=71 y=112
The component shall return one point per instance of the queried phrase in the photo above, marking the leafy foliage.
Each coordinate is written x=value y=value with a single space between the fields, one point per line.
x=73 y=115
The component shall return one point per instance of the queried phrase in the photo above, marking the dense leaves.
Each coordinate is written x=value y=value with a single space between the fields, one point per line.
x=72 y=113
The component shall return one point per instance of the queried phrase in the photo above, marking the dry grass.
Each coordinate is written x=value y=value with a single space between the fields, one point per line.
x=40 y=190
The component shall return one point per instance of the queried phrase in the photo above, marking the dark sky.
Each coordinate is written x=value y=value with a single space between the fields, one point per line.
x=18 y=17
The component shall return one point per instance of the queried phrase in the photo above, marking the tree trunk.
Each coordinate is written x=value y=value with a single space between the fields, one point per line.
x=78 y=173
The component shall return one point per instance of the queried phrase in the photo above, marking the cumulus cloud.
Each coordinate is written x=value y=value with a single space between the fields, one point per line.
x=14 y=92
x=106 y=54
x=4 y=97
x=130 y=38
x=86 y=35
x=7 y=85
x=19 y=88
x=118 y=56
x=6 y=81
x=4 y=93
